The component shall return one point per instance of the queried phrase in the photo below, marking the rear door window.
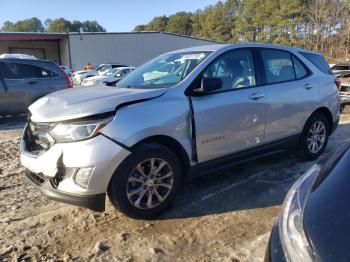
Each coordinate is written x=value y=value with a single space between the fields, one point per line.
x=318 y=61
x=23 y=71
x=278 y=66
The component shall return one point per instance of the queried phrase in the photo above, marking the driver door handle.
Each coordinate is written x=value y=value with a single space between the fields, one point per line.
x=308 y=86
x=32 y=82
x=256 y=96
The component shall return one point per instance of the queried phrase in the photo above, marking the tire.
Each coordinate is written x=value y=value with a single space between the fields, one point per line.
x=307 y=137
x=128 y=178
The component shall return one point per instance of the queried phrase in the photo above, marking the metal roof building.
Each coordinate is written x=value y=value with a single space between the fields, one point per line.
x=77 y=49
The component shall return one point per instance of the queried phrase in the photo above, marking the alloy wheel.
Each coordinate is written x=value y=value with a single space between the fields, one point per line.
x=316 y=137
x=150 y=183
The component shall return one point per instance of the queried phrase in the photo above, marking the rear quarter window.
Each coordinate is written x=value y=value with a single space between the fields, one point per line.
x=318 y=61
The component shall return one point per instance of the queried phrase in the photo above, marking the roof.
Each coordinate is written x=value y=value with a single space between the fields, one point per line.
x=213 y=48
x=58 y=36
x=15 y=36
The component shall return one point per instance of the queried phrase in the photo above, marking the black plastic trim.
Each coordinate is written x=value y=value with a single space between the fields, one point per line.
x=93 y=202
x=247 y=155
x=193 y=132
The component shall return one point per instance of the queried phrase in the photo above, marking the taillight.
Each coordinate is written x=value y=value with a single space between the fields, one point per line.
x=338 y=83
x=67 y=77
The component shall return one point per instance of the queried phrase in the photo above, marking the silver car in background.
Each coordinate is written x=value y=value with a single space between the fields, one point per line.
x=109 y=77
x=24 y=80
x=184 y=113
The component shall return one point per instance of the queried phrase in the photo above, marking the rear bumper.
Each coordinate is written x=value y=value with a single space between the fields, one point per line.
x=93 y=202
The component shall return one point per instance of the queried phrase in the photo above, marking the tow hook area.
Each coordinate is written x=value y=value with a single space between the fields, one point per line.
x=94 y=202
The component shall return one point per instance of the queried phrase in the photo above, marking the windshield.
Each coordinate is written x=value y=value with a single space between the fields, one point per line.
x=164 y=71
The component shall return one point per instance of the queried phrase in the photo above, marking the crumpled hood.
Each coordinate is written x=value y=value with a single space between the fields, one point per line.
x=86 y=101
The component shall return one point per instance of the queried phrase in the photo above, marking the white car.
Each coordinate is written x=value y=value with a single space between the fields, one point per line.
x=110 y=76
x=79 y=76
x=104 y=68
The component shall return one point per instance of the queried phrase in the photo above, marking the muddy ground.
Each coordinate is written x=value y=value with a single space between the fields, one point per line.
x=226 y=216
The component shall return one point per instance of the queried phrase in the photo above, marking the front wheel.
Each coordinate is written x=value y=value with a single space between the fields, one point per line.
x=315 y=136
x=146 y=182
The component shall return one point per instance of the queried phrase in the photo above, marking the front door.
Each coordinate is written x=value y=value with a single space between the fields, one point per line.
x=231 y=119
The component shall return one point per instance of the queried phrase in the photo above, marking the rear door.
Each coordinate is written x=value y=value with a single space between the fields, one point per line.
x=292 y=94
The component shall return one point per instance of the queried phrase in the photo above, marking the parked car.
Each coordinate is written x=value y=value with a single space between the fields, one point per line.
x=342 y=67
x=19 y=56
x=344 y=81
x=314 y=224
x=79 y=76
x=67 y=69
x=110 y=76
x=23 y=81
x=224 y=104
x=103 y=68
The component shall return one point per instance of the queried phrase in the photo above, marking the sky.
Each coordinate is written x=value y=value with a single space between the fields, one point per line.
x=115 y=16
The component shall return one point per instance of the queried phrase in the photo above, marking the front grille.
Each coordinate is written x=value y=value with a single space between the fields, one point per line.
x=37 y=138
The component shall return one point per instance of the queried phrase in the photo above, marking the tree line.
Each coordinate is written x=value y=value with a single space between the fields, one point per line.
x=320 y=25
x=59 y=25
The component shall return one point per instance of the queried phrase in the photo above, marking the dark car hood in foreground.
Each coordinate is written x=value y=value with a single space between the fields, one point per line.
x=327 y=213
x=81 y=102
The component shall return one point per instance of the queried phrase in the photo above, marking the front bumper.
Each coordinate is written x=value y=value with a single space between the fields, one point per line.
x=59 y=165
x=93 y=202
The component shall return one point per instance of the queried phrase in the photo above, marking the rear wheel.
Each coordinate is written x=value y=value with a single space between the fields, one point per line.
x=146 y=182
x=315 y=136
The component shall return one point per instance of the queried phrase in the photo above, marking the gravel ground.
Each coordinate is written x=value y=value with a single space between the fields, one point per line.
x=226 y=216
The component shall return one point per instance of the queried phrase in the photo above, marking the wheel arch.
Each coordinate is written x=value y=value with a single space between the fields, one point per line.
x=173 y=145
x=327 y=113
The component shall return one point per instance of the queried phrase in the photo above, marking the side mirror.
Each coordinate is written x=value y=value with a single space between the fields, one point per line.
x=209 y=84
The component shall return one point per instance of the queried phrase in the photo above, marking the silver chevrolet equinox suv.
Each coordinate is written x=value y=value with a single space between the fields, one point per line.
x=184 y=113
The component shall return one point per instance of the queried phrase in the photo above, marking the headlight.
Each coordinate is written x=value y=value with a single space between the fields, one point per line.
x=72 y=132
x=291 y=230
